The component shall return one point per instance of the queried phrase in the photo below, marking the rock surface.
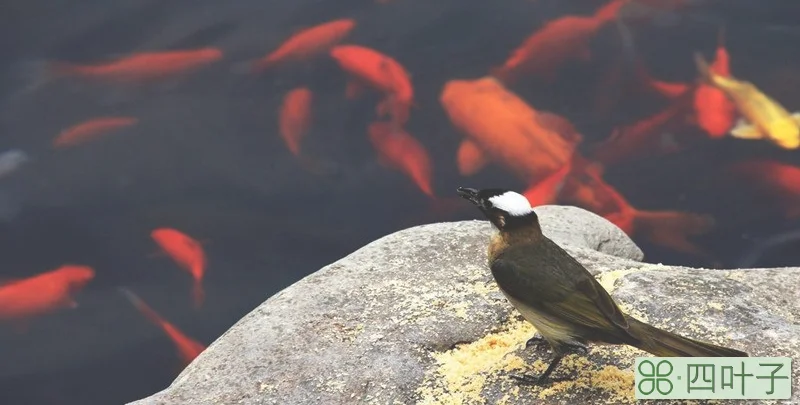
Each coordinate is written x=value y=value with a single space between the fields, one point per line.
x=415 y=318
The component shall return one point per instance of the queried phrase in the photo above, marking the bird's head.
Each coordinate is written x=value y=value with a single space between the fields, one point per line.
x=505 y=209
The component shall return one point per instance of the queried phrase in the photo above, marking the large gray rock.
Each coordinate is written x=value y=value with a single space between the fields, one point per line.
x=415 y=317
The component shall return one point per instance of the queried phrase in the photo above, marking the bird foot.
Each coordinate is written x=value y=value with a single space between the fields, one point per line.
x=578 y=348
x=539 y=340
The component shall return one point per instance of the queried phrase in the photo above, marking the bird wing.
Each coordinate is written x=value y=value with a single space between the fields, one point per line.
x=557 y=285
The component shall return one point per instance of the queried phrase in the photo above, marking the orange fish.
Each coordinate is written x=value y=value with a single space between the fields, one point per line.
x=143 y=66
x=295 y=117
x=91 y=129
x=715 y=113
x=43 y=293
x=307 y=43
x=645 y=138
x=399 y=150
x=188 y=348
x=498 y=126
x=368 y=67
x=558 y=41
x=189 y=255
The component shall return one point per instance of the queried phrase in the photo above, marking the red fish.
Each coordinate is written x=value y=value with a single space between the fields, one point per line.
x=91 y=129
x=43 y=293
x=715 y=113
x=295 y=118
x=307 y=43
x=558 y=41
x=368 y=67
x=399 y=150
x=187 y=253
x=188 y=348
x=143 y=66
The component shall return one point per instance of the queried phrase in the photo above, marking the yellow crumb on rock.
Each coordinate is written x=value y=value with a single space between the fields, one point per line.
x=615 y=383
x=462 y=372
x=484 y=288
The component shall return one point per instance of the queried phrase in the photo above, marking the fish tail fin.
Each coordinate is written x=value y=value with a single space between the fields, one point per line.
x=261 y=65
x=32 y=75
x=627 y=41
x=702 y=68
x=671 y=229
x=546 y=190
x=609 y=11
x=501 y=74
x=58 y=69
x=384 y=107
x=667 y=344
x=141 y=306
x=198 y=295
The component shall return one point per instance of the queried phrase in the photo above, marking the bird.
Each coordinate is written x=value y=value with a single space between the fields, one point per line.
x=558 y=296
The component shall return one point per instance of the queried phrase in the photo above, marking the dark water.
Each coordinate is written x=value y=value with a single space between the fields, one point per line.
x=206 y=159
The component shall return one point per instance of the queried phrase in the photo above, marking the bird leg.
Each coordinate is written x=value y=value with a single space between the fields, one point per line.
x=540 y=380
x=574 y=347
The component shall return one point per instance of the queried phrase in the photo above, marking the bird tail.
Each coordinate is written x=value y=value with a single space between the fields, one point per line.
x=667 y=344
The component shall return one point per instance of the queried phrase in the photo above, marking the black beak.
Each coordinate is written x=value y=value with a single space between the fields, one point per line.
x=469 y=194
